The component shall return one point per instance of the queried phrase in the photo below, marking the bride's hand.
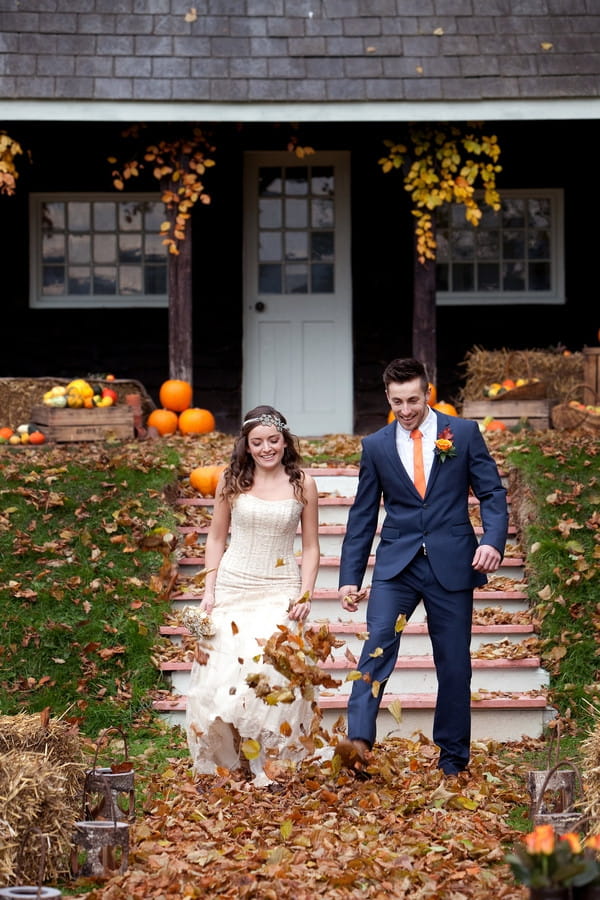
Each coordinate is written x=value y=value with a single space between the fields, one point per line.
x=300 y=608
x=207 y=603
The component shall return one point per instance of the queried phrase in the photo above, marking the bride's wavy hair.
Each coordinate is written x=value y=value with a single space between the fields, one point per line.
x=239 y=475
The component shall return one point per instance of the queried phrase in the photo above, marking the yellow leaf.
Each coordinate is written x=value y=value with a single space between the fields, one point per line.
x=395 y=709
x=375 y=687
x=378 y=651
x=400 y=623
x=250 y=748
x=286 y=829
x=192 y=15
x=355 y=675
x=546 y=45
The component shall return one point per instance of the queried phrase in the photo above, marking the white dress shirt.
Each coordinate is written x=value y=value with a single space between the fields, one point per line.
x=404 y=444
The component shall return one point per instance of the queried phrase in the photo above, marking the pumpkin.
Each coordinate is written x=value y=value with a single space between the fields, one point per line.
x=6 y=433
x=495 y=425
x=196 y=421
x=205 y=479
x=164 y=420
x=175 y=395
x=446 y=408
x=37 y=437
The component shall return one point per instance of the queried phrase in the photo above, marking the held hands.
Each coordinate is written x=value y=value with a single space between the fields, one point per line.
x=299 y=609
x=486 y=559
x=350 y=597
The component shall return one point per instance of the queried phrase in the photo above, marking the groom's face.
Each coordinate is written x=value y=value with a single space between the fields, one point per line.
x=408 y=401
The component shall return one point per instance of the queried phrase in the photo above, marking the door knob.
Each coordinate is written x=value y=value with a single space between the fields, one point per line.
x=260 y=306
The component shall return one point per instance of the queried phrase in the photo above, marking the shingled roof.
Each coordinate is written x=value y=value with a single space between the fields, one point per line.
x=353 y=59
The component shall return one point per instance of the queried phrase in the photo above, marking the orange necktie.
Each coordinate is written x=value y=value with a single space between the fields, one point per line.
x=419 y=469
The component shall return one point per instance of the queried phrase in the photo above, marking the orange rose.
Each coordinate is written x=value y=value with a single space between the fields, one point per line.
x=541 y=840
x=443 y=445
x=573 y=841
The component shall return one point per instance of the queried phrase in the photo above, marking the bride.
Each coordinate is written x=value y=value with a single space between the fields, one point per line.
x=253 y=585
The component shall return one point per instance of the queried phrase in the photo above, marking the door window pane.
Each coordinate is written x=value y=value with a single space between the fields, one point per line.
x=296 y=219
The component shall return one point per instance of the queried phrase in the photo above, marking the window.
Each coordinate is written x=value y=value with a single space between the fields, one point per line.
x=296 y=230
x=97 y=250
x=513 y=255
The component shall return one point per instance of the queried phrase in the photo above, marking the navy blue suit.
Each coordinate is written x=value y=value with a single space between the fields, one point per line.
x=444 y=579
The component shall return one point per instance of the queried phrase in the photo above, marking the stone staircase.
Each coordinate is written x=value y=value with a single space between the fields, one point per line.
x=508 y=684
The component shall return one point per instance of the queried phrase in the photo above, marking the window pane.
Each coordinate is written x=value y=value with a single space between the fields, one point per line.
x=79 y=249
x=513 y=244
x=269 y=214
x=154 y=216
x=539 y=212
x=296 y=183
x=513 y=212
x=322 y=180
x=296 y=245
x=130 y=280
x=488 y=277
x=269 y=182
x=105 y=280
x=154 y=249
x=105 y=248
x=129 y=216
x=105 y=217
x=79 y=216
x=463 y=277
x=270 y=246
x=443 y=248
x=322 y=246
x=514 y=277
x=129 y=248
x=463 y=244
x=269 y=279
x=53 y=217
x=441 y=278
x=322 y=213
x=296 y=213
x=53 y=281
x=296 y=279
x=539 y=276
x=155 y=279
x=322 y=279
x=488 y=245
x=53 y=248
x=538 y=245
x=79 y=280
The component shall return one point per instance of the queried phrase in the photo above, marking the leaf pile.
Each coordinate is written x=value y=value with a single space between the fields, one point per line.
x=407 y=832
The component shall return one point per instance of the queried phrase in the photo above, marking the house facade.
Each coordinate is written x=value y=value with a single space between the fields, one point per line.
x=303 y=264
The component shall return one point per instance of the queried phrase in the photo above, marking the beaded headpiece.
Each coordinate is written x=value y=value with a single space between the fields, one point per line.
x=267 y=419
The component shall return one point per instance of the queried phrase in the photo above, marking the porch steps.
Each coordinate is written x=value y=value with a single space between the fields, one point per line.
x=508 y=684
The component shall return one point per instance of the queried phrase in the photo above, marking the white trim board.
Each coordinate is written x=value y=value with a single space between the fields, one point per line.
x=393 y=111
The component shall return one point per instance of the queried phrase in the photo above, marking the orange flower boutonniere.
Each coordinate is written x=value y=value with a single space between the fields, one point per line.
x=444 y=446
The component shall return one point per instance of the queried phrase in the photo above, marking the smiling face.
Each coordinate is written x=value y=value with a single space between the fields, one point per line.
x=408 y=401
x=266 y=446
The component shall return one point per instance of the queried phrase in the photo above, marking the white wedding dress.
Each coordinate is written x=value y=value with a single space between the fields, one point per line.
x=257 y=578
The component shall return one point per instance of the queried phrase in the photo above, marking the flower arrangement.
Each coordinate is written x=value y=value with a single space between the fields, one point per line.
x=198 y=622
x=546 y=859
x=444 y=446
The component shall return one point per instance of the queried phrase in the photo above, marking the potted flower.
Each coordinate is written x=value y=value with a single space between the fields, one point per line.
x=554 y=867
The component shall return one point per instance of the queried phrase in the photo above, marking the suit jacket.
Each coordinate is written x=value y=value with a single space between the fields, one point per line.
x=440 y=520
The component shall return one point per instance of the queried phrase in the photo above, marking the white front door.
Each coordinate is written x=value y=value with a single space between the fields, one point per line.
x=297 y=291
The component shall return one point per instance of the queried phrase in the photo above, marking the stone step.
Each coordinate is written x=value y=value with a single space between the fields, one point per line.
x=497 y=716
x=415 y=637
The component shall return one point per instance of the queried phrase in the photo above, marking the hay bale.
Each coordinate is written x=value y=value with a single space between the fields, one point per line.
x=56 y=740
x=18 y=396
x=562 y=375
x=590 y=770
x=37 y=818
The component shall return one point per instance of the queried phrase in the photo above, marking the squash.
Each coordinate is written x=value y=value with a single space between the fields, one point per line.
x=164 y=420
x=446 y=408
x=205 y=479
x=196 y=421
x=496 y=425
x=175 y=395
x=37 y=437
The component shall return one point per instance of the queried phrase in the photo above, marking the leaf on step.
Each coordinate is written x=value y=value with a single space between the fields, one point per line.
x=395 y=710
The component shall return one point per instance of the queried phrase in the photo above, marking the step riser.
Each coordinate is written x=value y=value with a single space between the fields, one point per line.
x=423 y=681
x=486 y=724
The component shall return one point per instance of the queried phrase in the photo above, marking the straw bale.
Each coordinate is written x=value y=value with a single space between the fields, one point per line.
x=562 y=375
x=37 y=818
x=590 y=770
x=18 y=396
x=57 y=740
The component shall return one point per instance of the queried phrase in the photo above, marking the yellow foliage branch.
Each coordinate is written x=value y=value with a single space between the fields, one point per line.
x=443 y=167
x=9 y=149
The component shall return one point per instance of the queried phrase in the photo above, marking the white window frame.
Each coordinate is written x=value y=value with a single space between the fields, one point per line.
x=37 y=300
x=556 y=294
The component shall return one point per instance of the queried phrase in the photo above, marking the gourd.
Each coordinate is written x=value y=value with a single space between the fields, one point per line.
x=196 y=421
x=446 y=408
x=164 y=420
x=175 y=395
x=205 y=479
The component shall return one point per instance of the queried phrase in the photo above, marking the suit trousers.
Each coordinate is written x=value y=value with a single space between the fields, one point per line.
x=449 y=618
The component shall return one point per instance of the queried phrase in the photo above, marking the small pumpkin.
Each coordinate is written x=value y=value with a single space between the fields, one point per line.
x=196 y=421
x=175 y=395
x=6 y=433
x=205 y=479
x=446 y=408
x=164 y=420
x=37 y=437
x=496 y=425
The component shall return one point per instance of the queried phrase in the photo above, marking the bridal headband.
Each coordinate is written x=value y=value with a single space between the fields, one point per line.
x=267 y=419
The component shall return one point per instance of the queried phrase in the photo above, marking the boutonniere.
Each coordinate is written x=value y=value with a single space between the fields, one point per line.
x=444 y=446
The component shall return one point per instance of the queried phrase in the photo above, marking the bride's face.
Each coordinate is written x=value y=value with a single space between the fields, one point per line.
x=266 y=446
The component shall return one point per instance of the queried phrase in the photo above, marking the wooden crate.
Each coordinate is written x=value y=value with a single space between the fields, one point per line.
x=98 y=424
x=511 y=412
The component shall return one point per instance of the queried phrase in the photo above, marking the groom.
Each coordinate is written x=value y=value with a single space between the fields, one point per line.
x=423 y=464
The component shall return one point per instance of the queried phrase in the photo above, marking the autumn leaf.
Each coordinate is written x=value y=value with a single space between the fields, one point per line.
x=250 y=748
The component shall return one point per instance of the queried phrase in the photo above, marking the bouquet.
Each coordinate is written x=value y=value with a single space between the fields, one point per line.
x=198 y=622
